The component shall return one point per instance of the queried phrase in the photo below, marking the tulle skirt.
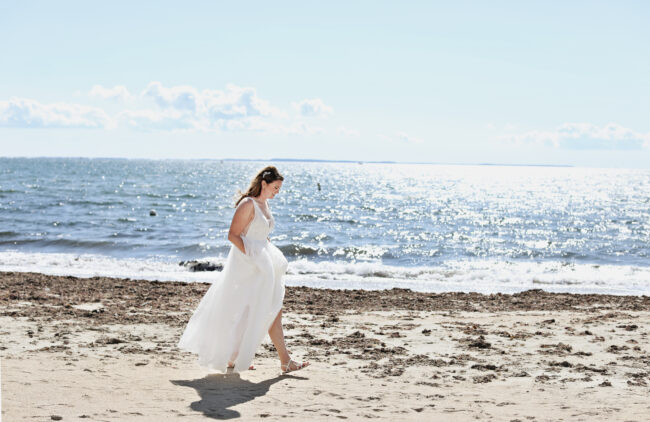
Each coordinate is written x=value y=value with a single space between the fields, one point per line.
x=232 y=319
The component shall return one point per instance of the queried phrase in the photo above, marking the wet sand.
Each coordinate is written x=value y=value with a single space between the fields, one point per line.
x=105 y=349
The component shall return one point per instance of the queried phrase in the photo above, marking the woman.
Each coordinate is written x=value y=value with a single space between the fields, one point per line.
x=245 y=302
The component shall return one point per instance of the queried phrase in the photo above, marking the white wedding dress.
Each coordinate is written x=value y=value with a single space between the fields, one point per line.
x=233 y=317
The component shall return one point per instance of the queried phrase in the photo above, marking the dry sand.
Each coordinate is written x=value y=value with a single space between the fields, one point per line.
x=105 y=349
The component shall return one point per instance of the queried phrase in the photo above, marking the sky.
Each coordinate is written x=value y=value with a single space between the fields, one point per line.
x=512 y=82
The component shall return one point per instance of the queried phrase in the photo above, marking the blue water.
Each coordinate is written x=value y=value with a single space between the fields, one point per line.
x=426 y=224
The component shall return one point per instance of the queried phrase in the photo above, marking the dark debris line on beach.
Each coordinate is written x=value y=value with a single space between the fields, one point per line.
x=140 y=301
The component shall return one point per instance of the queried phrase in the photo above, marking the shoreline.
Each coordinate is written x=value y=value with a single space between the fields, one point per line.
x=58 y=294
x=481 y=276
x=105 y=348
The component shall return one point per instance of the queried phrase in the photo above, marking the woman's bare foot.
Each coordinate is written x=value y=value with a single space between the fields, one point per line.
x=232 y=365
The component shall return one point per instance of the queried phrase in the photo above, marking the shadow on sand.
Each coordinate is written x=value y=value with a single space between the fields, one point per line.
x=219 y=392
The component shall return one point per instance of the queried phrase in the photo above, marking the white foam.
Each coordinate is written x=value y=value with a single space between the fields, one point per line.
x=89 y=265
x=483 y=276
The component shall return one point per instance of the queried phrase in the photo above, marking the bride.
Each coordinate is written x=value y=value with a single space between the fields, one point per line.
x=245 y=301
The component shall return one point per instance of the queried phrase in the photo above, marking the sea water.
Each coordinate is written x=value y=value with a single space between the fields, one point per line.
x=341 y=225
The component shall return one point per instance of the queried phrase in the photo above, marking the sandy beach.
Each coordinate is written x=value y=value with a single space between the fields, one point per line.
x=105 y=349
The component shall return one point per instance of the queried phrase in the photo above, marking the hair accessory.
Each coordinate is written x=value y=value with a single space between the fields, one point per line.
x=265 y=173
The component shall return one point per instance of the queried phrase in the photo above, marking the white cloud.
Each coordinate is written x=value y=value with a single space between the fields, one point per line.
x=233 y=109
x=314 y=107
x=118 y=92
x=234 y=102
x=237 y=102
x=28 y=113
x=184 y=107
x=182 y=97
x=174 y=108
x=343 y=131
x=584 y=136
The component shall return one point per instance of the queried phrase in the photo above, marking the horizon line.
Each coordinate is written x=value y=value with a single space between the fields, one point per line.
x=304 y=160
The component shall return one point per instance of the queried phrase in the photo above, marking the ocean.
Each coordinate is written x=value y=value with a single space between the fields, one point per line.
x=341 y=225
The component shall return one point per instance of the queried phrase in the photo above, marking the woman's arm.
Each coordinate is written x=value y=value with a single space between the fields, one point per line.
x=243 y=215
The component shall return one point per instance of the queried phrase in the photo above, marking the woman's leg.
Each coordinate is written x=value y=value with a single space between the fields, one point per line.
x=277 y=337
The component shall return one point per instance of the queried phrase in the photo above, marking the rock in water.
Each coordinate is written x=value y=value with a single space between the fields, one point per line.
x=153 y=213
x=201 y=266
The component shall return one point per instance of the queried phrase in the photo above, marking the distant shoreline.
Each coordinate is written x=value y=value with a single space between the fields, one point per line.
x=299 y=160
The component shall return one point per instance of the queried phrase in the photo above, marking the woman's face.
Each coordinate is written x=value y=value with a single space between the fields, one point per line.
x=269 y=190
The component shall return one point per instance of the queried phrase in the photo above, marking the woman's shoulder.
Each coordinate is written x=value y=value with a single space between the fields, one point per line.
x=245 y=203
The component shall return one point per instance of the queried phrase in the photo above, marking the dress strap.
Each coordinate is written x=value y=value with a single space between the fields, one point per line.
x=243 y=201
x=267 y=217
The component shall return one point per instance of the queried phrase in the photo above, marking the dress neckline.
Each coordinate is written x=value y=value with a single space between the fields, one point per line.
x=269 y=218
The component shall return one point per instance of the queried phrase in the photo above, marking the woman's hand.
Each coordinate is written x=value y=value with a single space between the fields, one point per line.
x=243 y=216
